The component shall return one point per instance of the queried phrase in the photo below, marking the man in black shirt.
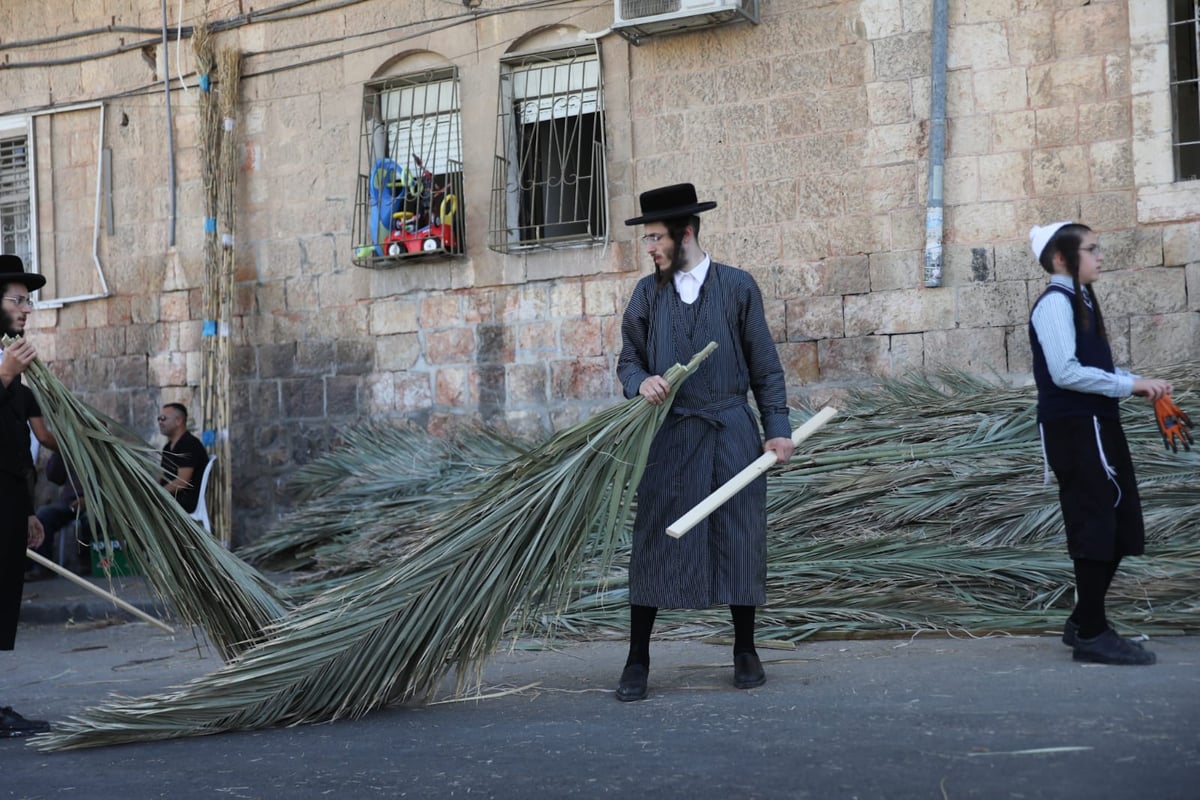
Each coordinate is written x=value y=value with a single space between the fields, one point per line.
x=183 y=459
x=19 y=412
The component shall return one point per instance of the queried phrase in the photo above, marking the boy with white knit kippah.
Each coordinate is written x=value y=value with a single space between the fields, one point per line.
x=1078 y=392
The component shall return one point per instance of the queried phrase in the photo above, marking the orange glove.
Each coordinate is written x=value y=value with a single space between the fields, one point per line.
x=1173 y=423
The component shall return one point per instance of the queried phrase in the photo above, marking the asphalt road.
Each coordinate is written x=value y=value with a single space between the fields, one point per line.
x=930 y=717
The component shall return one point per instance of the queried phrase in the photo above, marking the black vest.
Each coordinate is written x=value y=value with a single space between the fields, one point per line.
x=1092 y=350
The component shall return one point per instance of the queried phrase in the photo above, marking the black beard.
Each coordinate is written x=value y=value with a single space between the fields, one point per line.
x=674 y=267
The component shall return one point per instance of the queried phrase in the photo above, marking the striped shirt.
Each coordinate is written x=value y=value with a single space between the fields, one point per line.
x=1053 y=320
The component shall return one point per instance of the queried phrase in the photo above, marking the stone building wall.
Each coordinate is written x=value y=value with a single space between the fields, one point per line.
x=810 y=130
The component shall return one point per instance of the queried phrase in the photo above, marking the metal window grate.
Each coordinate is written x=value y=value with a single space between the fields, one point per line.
x=1184 y=35
x=15 y=215
x=549 y=185
x=408 y=202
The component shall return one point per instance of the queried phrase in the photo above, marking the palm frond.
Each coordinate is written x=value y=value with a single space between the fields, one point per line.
x=393 y=633
x=371 y=492
x=946 y=459
x=202 y=581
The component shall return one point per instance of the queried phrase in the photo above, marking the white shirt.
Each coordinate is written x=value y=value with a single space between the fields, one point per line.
x=688 y=283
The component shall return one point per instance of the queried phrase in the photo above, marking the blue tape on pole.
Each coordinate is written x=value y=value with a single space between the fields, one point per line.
x=210 y=328
x=208 y=438
x=204 y=82
x=210 y=224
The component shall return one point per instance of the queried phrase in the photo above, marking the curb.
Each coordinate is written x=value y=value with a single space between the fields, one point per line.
x=57 y=601
x=35 y=612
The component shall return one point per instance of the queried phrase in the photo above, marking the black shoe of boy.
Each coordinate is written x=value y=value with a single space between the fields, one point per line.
x=13 y=724
x=1109 y=648
x=1071 y=635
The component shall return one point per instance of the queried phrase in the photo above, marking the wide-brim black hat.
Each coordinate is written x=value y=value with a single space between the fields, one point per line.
x=669 y=202
x=12 y=270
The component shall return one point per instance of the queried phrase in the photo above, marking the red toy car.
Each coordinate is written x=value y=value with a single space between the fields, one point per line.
x=406 y=237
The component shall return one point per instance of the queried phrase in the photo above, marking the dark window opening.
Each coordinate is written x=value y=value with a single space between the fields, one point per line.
x=1185 y=87
x=549 y=181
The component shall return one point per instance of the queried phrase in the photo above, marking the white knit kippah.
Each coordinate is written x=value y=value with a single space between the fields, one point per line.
x=1039 y=235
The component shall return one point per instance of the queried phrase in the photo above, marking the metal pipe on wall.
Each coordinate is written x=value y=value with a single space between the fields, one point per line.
x=170 y=128
x=937 y=145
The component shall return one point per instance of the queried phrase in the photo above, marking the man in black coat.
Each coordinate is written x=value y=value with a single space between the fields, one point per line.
x=19 y=412
x=709 y=436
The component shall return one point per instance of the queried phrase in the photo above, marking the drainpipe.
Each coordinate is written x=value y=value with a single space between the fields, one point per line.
x=170 y=127
x=937 y=146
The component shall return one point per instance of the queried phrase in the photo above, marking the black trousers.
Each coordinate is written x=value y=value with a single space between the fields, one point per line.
x=1102 y=514
x=14 y=534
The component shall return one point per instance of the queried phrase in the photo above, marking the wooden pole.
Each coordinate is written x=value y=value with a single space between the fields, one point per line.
x=66 y=573
x=738 y=482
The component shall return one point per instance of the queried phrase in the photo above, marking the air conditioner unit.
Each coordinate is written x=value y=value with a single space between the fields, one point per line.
x=638 y=19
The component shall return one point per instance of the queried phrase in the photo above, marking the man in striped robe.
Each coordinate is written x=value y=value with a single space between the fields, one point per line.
x=709 y=436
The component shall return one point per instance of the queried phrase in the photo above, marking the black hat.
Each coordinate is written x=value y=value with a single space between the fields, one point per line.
x=669 y=202
x=12 y=270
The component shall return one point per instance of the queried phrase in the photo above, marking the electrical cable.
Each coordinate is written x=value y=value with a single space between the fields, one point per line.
x=451 y=20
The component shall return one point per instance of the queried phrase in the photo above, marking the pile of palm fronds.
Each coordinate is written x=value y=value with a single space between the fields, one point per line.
x=922 y=506
x=203 y=582
x=959 y=458
x=393 y=633
x=369 y=498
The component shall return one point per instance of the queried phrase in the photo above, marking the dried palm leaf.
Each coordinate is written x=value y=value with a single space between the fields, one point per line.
x=927 y=496
x=204 y=583
x=394 y=633
x=365 y=500
x=949 y=460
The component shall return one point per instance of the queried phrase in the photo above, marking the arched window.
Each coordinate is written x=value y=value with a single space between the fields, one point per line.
x=548 y=180
x=410 y=186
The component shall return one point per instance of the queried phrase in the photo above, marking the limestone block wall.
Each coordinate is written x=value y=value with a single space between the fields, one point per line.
x=810 y=130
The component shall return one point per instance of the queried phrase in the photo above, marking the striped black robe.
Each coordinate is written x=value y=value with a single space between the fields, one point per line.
x=709 y=436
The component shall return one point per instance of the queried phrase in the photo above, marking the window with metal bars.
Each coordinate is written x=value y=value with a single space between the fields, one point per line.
x=549 y=185
x=15 y=198
x=1185 y=87
x=410 y=190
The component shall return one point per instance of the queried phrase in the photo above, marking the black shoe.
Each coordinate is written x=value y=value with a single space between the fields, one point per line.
x=633 y=683
x=1109 y=648
x=748 y=671
x=13 y=724
x=1071 y=635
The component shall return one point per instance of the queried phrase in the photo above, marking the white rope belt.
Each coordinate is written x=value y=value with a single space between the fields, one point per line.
x=1109 y=472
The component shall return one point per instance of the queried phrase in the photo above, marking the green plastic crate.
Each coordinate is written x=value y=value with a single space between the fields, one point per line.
x=120 y=563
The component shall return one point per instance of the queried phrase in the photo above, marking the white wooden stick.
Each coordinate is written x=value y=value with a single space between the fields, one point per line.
x=735 y=484
x=66 y=573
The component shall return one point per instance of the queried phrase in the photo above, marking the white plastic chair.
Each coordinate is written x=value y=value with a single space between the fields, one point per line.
x=201 y=512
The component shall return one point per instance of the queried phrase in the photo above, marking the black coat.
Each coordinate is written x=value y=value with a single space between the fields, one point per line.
x=710 y=435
